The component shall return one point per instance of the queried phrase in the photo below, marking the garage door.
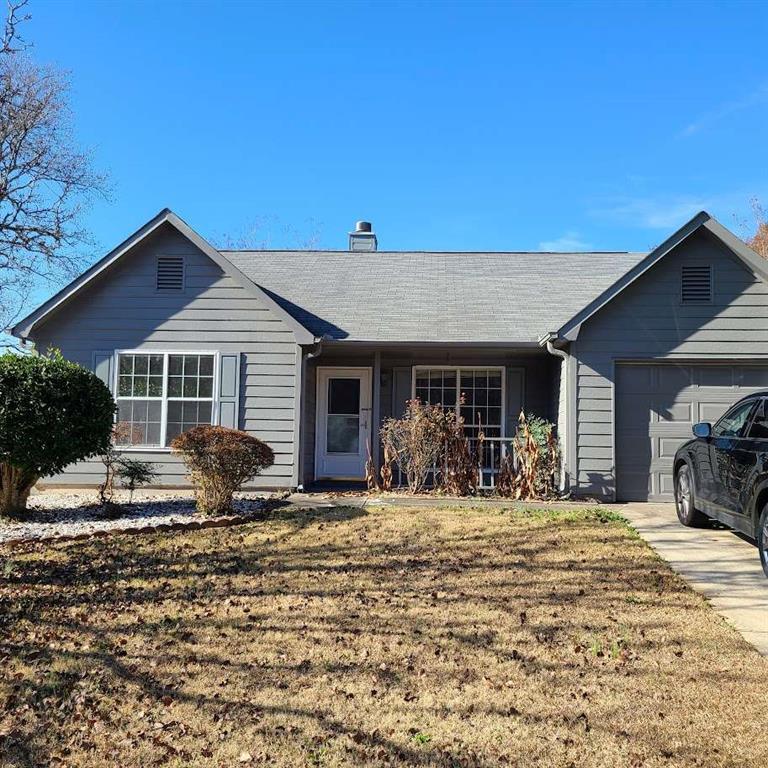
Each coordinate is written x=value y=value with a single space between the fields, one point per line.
x=656 y=406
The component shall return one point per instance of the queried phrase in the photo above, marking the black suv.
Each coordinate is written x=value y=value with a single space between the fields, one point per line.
x=723 y=472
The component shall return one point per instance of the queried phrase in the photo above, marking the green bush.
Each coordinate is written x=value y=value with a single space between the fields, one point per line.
x=52 y=413
x=134 y=473
x=220 y=461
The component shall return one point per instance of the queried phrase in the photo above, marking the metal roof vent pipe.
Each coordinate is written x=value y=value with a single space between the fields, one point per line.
x=363 y=238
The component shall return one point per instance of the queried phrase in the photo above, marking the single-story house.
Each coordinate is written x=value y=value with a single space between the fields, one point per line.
x=312 y=350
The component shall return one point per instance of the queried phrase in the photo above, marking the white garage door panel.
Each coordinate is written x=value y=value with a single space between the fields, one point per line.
x=656 y=406
x=666 y=486
x=667 y=447
x=672 y=412
x=716 y=377
x=710 y=411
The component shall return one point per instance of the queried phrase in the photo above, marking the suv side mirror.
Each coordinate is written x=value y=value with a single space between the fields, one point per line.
x=702 y=429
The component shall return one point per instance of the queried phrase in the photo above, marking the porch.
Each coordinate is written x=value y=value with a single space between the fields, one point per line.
x=349 y=390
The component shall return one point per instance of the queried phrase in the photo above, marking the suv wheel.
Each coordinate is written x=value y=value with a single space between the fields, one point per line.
x=685 y=502
x=762 y=539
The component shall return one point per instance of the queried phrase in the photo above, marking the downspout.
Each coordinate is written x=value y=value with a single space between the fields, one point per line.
x=315 y=351
x=317 y=348
x=564 y=380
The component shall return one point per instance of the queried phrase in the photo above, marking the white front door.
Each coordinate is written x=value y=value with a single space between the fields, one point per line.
x=343 y=432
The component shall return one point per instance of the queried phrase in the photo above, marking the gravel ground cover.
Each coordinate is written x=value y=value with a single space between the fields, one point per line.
x=68 y=513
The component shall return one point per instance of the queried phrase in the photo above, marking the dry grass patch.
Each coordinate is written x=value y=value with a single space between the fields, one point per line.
x=386 y=637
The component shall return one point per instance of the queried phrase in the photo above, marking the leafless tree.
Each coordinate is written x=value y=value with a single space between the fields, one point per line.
x=45 y=180
x=269 y=233
x=757 y=232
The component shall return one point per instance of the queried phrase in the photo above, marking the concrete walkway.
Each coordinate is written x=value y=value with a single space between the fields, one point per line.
x=715 y=562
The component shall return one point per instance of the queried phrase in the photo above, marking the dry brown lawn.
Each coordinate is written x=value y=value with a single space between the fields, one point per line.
x=386 y=637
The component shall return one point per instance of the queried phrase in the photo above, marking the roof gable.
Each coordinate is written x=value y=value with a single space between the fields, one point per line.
x=24 y=327
x=702 y=220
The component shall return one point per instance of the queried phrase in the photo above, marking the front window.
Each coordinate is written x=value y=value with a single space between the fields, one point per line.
x=732 y=424
x=160 y=395
x=474 y=393
x=758 y=430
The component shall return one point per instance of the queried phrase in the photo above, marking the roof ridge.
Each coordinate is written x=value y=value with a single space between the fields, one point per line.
x=436 y=253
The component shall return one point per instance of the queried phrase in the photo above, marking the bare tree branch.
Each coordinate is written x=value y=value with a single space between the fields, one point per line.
x=757 y=240
x=265 y=233
x=46 y=181
x=11 y=42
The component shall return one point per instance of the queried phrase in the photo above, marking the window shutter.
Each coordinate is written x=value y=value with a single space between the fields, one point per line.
x=515 y=398
x=229 y=390
x=696 y=284
x=102 y=367
x=401 y=391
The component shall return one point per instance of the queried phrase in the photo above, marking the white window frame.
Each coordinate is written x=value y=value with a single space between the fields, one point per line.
x=166 y=353
x=458 y=369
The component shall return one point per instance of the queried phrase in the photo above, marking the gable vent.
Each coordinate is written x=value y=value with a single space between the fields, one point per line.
x=170 y=273
x=696 y=285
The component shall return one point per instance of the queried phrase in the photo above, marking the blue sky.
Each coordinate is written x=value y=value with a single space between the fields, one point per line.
x=450 y=126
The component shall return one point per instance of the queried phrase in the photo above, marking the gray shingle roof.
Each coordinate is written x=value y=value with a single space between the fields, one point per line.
x=451 y=297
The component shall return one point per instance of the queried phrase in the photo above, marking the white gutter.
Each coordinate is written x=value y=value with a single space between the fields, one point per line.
x=547 y=341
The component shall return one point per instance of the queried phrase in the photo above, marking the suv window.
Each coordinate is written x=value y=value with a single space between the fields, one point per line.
x=759 y=427
x=732 y=424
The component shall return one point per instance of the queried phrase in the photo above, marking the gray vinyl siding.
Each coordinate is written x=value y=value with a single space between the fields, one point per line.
x=648 y=322
x=122 y=310
x=535 y=393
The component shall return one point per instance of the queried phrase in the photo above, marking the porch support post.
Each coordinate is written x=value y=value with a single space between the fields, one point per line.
x=297 y=473
x=376 y=410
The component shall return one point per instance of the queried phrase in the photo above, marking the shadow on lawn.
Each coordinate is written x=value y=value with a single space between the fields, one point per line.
x=124 y=604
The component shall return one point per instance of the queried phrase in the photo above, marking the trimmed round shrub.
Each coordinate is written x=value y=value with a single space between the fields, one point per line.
x=220 y=461
x=52 y=413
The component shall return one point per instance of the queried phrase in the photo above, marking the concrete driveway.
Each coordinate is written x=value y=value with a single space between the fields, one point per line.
x=715 y=562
